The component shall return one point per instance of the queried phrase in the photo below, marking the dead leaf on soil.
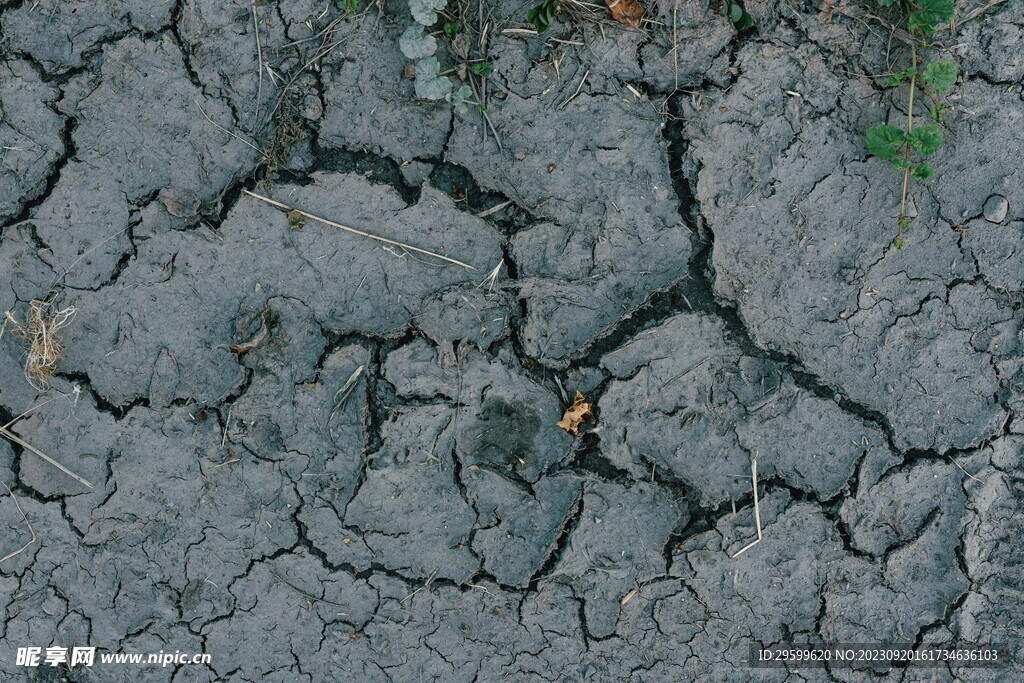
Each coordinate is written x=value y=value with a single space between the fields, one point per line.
x=628 y=12
x=575 y=415
x=240 y=349
x=179 y=204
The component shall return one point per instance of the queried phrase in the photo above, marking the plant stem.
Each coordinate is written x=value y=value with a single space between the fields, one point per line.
x=901 y=221
x=935 y=102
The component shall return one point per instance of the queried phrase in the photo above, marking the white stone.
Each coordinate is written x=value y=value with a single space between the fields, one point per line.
x=996 y=208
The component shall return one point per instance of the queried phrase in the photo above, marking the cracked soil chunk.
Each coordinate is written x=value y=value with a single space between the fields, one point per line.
x=753 y=600
x=219 y=46
x=616 y=546
x=124 y=155
x=595 y=172
x=57 y=35
x=480 y=498
x=688 y=402
x=31 y=140
x=868 y=319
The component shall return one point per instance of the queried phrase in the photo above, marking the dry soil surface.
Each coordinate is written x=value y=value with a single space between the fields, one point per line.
x=686 y=228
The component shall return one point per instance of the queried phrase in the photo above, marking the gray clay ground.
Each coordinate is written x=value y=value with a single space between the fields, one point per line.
x=697 y=241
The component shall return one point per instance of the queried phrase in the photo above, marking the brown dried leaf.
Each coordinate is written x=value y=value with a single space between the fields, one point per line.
x=239 y=349
x=628 y=12
x=179 y=204
x=575 y=415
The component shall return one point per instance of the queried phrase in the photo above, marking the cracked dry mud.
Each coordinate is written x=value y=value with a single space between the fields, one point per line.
x=696 y=240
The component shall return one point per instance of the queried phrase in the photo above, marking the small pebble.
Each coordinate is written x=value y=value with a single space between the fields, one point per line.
x=996 y=208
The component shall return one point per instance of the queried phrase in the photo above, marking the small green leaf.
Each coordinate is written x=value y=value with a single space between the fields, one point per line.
x=940 y=76
x=936 y=112
x=897 y=77
x=416 y=45
x=739 y=17
x=481 y=68
x=425 y=11
x=450 y=29
x=926 y=140
x=430 y=85
x=542 y=15
x=885 y=141
x=922 y=172
x=930 y=14
x=460 y=98
x=900 y=163
x=898 y=243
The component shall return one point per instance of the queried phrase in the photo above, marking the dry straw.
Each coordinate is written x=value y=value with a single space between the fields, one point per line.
x=41 y=331
x=354 y=231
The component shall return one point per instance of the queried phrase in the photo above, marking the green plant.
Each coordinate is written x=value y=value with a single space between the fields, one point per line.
x=739 y=17
x=906 y=147
x=543 y=15
x=430 y=82
x=461 y=98
x=351 y=6
x=420 y=46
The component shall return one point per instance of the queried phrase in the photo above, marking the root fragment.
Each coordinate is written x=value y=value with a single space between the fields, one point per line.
x=41 y=331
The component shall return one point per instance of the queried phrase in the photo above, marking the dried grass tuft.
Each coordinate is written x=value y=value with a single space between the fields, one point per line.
x=41 y=330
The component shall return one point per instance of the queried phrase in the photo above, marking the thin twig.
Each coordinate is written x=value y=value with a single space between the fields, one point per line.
x=232 y=134
x=311 y=598
x=492 y=277
x=963 y=470
x=28 y=412
x=458 y=405
x=430 y=580
x=578 y=88
x=65 y=271
x=978 y=12
x=355 y=231
x=910 y=127
x=342 y=395
x=24 y=444
x=757 y=509
x=675 y=45
x=494 y=209
x=259 y=58
x=494 y=131
x=319 y=54
x=227 y=426
x=32 y=531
